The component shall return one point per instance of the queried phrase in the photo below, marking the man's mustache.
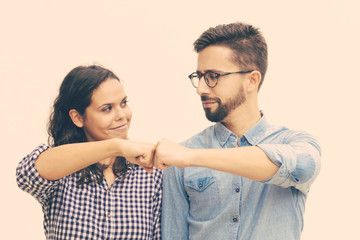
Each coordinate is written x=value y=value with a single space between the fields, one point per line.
x=206 y=98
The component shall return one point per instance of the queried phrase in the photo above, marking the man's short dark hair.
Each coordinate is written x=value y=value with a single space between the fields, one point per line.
x=246 y=41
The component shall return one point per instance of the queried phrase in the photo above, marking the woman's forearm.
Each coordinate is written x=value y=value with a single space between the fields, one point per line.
x=61 y=161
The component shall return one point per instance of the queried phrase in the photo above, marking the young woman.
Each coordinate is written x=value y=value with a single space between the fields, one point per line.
x=88 y=181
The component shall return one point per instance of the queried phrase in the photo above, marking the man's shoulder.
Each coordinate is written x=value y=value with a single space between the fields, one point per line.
x=282 y=134
x=268 y=128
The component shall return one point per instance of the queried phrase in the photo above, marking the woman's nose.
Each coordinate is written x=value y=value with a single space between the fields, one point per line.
x=119 y=113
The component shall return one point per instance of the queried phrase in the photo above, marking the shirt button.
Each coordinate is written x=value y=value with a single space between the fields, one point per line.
x=235 y=219
x=237 y=189
x=200 y=185
x=109 y=215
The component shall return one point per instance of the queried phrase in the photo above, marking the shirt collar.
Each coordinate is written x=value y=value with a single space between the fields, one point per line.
x=254 y=135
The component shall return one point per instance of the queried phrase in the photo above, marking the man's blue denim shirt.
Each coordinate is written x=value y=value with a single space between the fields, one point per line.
x=201 y=203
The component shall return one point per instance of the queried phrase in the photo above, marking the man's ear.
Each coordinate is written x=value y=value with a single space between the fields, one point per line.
x=254 y=81
x=77 y=118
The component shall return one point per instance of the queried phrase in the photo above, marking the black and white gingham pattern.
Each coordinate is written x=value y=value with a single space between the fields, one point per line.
x=128 y=210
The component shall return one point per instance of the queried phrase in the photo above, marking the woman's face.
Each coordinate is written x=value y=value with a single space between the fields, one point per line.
x=108 y=115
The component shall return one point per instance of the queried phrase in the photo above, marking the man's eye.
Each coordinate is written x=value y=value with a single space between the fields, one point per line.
x=211 y=76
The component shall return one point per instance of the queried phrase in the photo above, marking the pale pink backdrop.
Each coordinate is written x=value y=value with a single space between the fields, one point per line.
x=311 y=84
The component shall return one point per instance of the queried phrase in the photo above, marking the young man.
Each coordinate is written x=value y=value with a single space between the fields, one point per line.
x=241 y=178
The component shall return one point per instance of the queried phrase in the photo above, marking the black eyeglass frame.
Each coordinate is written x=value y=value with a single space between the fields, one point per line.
x=217 y=75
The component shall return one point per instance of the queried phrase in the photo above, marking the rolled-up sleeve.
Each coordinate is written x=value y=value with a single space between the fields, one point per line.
x=29 y=180
x=298 y=159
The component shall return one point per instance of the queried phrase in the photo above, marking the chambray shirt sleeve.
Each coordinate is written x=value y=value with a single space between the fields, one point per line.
x=157 y=205
x=175 y=206
x=298 y=159
x=29 y=180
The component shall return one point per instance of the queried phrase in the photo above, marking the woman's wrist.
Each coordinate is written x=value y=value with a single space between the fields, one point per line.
x=117 y=146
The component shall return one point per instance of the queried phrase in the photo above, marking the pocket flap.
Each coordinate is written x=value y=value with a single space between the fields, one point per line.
x=201 y=184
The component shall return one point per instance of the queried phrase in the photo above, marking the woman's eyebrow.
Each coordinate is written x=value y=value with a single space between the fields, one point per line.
x=109 y=104
x=103 y=105
x=125 y=98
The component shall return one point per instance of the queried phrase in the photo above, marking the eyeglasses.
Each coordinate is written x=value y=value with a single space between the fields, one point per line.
x=211 y=78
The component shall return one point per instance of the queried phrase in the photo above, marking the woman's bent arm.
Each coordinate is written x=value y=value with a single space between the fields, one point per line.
x=61 y=161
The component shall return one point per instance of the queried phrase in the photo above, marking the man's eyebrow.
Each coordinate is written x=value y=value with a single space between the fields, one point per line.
x=210 y=70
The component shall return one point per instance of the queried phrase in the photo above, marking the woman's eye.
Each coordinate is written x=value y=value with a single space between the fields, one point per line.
x=124 y=103
x=106 y=109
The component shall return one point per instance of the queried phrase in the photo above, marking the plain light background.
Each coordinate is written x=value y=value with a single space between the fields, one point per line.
x=311 y=84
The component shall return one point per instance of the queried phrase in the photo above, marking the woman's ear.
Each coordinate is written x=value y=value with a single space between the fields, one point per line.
x=77 y=118
x=254 y=81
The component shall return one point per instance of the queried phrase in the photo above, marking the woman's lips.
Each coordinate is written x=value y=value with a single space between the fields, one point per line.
x=121 y=127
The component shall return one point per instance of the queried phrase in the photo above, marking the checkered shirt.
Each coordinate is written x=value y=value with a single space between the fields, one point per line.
x=127 y=210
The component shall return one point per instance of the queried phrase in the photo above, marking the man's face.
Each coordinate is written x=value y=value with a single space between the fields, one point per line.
x=228 y=94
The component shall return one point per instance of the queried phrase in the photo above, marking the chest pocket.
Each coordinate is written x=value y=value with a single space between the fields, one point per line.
x=204 y=197
x=200 y=184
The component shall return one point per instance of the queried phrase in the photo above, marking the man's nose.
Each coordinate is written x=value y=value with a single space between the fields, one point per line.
x=202 y=88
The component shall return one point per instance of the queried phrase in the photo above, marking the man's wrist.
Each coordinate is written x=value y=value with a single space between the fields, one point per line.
x=193 y=157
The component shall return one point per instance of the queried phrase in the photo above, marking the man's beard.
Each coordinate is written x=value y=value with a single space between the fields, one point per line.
x=223 y=109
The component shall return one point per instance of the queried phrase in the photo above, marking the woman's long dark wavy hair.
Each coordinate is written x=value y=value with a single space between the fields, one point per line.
x=75 y=93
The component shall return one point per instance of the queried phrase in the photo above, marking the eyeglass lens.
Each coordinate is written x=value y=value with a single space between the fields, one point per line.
x=210 y=79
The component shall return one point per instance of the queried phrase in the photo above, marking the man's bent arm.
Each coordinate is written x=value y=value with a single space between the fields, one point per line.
x=293 y=163
x=250 y=162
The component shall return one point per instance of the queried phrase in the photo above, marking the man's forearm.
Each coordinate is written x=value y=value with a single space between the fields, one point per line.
x=250 y=162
